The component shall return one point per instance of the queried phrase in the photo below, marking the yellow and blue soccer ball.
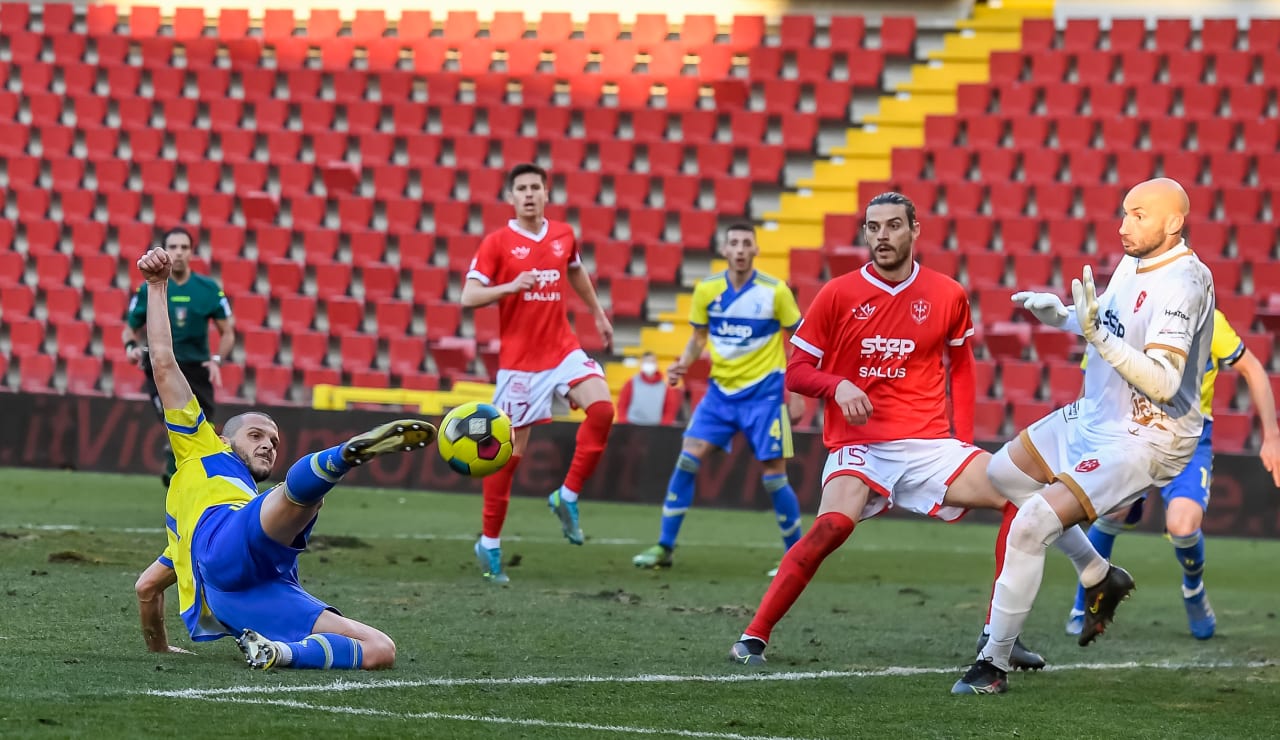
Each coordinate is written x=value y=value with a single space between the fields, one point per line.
x=475 y=439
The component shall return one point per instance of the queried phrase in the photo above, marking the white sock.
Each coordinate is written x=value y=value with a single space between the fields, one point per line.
x=1035 y=527
x=1091 y=566
x=1015 y=595
x=568 y=495
x=490 y=543
x=285 y=654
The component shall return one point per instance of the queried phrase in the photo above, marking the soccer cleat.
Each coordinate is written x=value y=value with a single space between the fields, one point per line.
x=567 y=511
x=1200 y=615
x=747 y=652
x=655 y=557
x=982 y=678
x=772 y=572
x=1075 y=622
x=259 y=652
x=1021 y=658
x=1101 y=601
x=491 y=564
x=404 y=435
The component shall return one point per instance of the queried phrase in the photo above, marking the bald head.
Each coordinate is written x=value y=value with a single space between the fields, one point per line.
x=1154 y=214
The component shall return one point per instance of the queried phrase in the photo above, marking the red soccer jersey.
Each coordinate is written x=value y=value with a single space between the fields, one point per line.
x=534 y=325
x=888 y=340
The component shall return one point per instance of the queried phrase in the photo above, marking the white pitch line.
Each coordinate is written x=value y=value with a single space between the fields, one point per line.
x=622 y=541
x=343 y=685
x=621 y=729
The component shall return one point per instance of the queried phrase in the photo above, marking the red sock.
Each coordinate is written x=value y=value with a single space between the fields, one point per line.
x=589 y=445
x=497 y=494
x=828 y=532
x=1002 y=537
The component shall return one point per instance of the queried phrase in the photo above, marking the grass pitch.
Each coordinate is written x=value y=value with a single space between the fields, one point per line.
x=582 y=645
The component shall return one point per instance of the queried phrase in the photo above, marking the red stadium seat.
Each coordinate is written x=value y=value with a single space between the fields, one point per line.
x=1020 y=381
x=453 y=356
x=989 y=418
x=628 y=296
x=1065 y=382
x=1232 y=431
x=393 y=318
x=26 y=337
x=272 y=384
x=83 y=375
x=1005 y=339
x=442 y=319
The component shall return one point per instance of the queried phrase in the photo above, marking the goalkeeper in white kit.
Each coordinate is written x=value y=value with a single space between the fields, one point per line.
x=1137 y=424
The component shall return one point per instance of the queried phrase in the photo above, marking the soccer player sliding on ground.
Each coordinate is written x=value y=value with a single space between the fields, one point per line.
x=234 y=552
x=525 y=267
x=1137 y=425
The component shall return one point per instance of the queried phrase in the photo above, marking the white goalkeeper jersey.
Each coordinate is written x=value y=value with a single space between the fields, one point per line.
x=1161 y=303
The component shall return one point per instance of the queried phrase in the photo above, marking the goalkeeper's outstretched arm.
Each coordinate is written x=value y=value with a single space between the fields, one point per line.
x=171 y=384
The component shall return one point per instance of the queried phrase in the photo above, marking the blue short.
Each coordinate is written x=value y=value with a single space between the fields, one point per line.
x=765 y=423
x=1194 y=481
x=251 y=581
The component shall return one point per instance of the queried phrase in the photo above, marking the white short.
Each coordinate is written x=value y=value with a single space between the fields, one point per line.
x=534 y=398
x=1105 y=470
x=910 y=474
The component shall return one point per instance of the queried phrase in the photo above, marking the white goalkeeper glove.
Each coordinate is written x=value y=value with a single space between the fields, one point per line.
x=1085 y=294
x=1157 y=375
x=1046 y=307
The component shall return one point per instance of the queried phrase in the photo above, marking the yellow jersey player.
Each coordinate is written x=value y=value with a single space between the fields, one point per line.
x=1187 y=496
x=742 y=314
x=234 y=552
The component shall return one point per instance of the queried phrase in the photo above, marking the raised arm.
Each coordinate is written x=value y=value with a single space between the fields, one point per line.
x=174 y=391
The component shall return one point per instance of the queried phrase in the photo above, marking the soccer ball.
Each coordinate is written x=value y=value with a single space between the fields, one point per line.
x=475 y=439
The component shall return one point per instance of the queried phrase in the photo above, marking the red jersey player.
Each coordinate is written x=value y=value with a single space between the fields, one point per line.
x=525 y=267
x=872 y=346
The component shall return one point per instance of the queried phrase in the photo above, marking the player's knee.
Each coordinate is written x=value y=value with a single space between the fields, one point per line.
x=1035 y=527
x=379 y=652
x=1009 y=479
x=1182 y=523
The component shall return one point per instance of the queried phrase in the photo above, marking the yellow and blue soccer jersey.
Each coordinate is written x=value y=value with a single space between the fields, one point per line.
x=209 y=474
x=1227 y=348
x=745 y=332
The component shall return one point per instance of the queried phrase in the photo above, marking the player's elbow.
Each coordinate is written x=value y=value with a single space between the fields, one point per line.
x=470 y=297
x=147 y=587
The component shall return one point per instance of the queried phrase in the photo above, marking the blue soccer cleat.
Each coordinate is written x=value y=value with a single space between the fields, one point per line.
x=567 y=511
x=1200 y=615
x=491 y=564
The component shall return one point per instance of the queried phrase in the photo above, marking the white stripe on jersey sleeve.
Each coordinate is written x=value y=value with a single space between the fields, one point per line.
x=480 y=276
x=797 y=341
x=960 y=341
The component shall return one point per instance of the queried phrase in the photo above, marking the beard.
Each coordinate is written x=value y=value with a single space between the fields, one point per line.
x=891 y=262
x=258 y=474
